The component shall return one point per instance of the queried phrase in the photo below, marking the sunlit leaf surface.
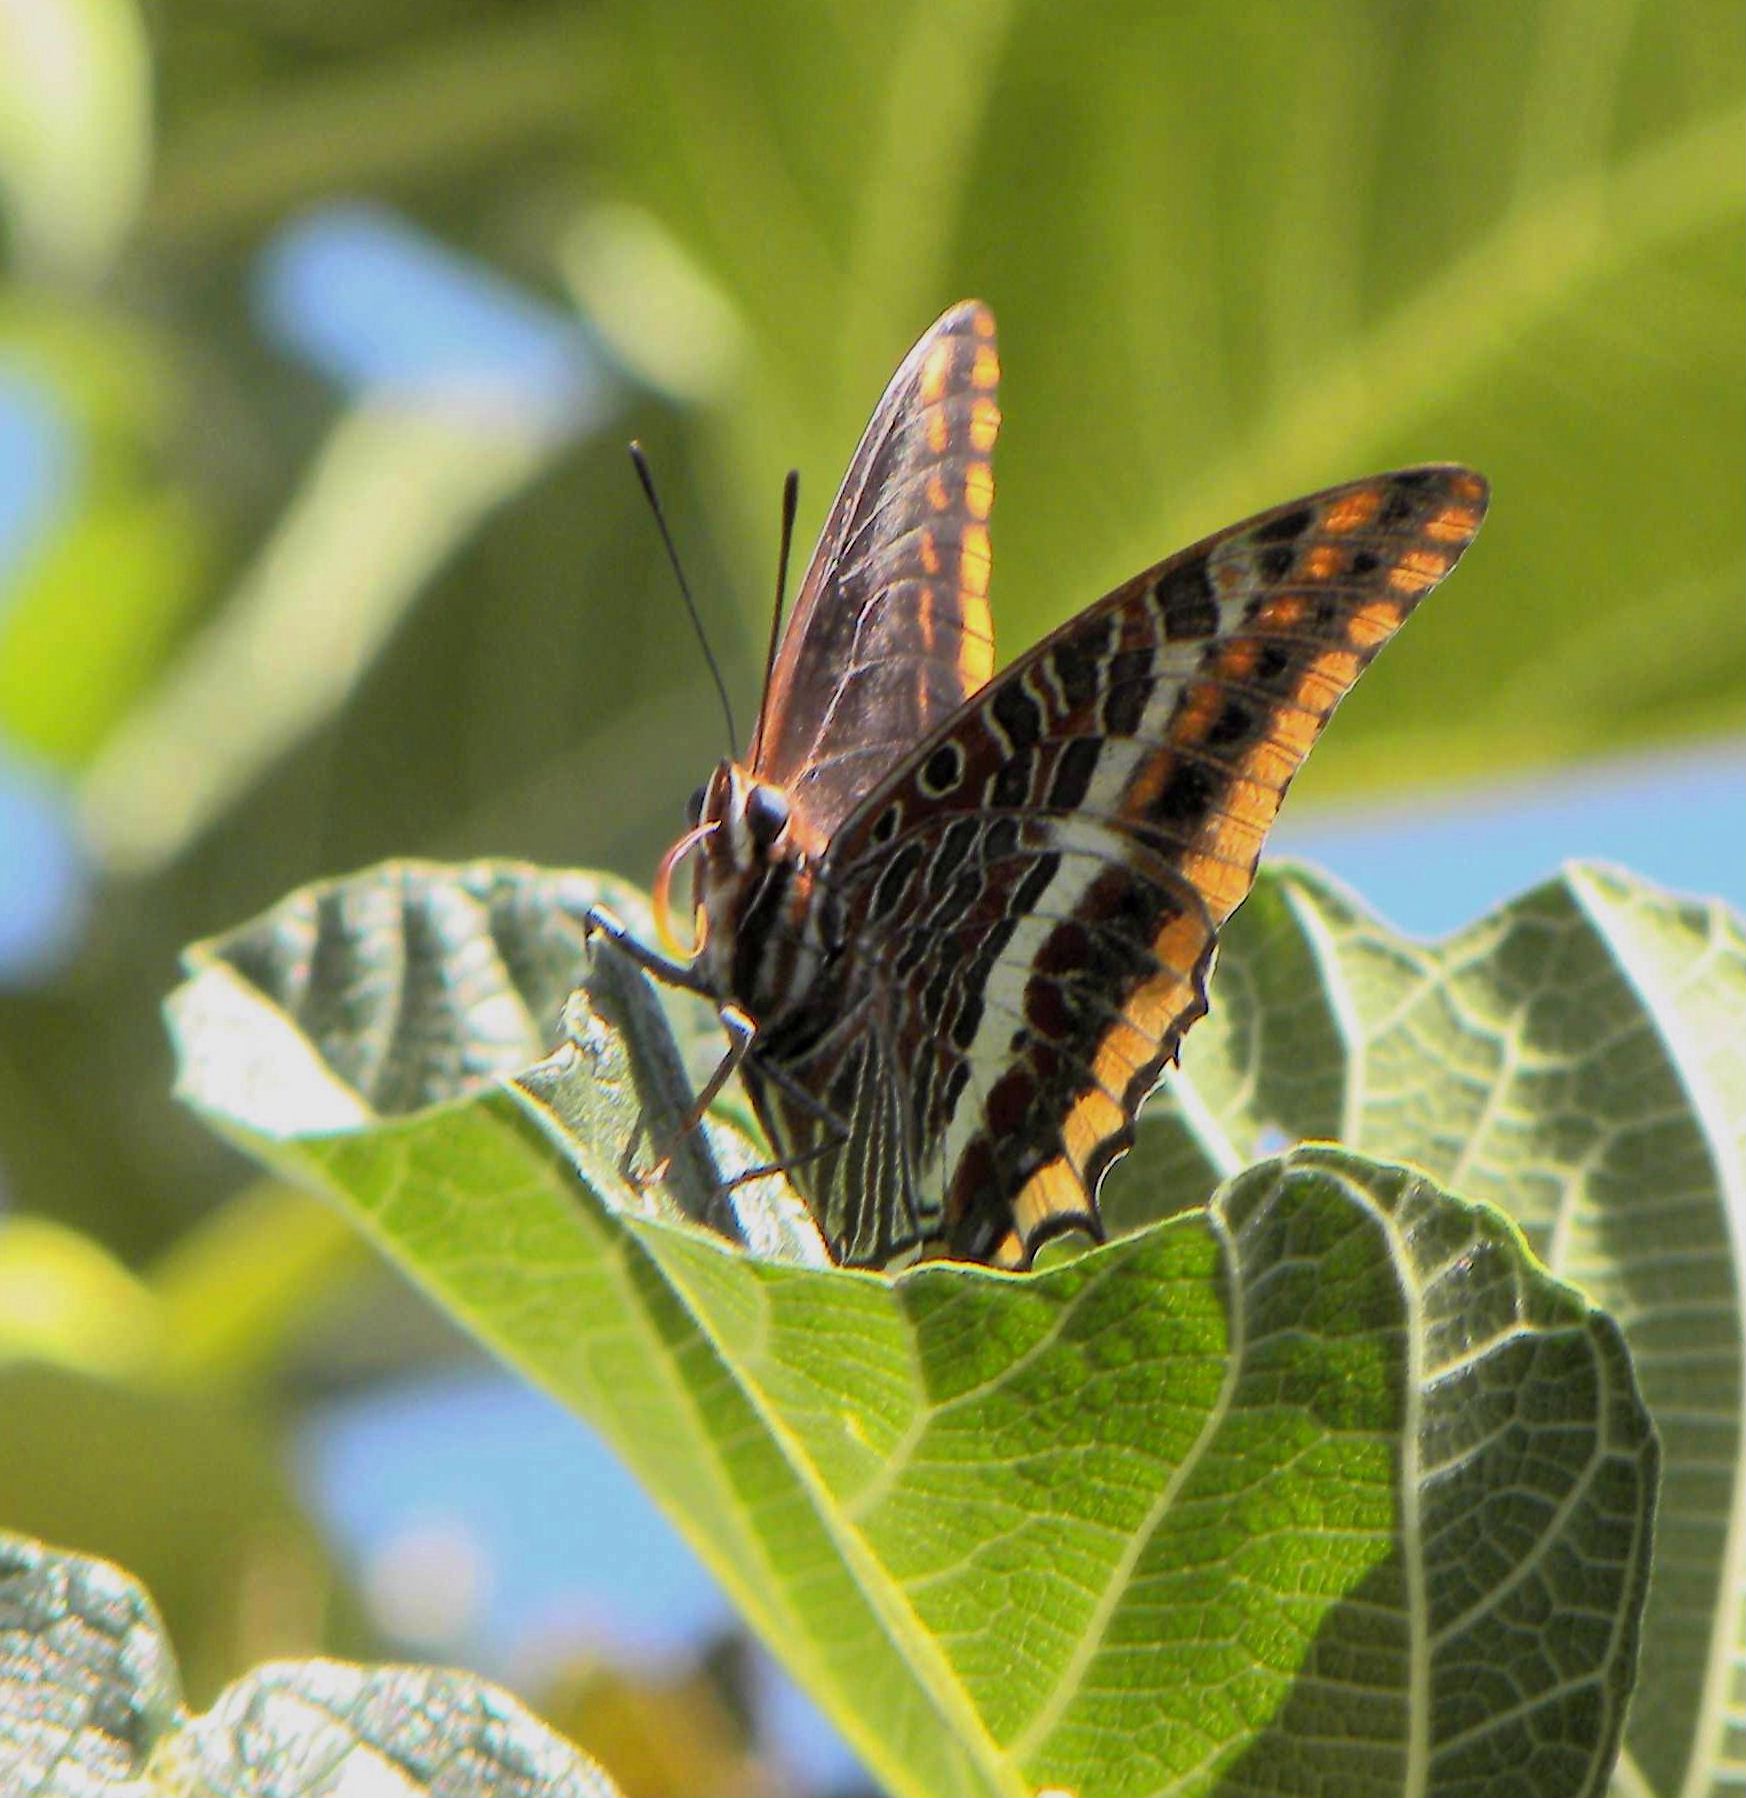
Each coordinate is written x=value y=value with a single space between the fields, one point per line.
x=1578 y=1058
x=1322 y=1487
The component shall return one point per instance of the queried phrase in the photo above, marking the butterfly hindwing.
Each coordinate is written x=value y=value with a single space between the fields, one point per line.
x=891 y=631
x=1041 y=884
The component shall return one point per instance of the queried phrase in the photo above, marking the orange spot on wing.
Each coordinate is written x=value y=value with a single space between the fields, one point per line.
x=1454 y=524
x=934 y=371
x=1194 y=716
x=1251 y=803
x=1157 y=1006
x=1294 y=731
x=979 y=489
x=1235 y=839
x=985 y=371
x=1271 y=765
x=1374 y=623
x=1328 y=679
x=1282 y=614
x=975 y=560
x=1322 y=563
x=1237 y=659
x=938 y=497
x=1092 y=1118
x=1418 y=571
x=984 y=424
x=975 y=643
x=924 y=616
x=1217 y=882
x=1353 y=512
x=982 y=322
x=1146 y=782
x=929 y=552
x=1121 y=1052
x=1054 y=1190
x=1178 y=946
x=975 y=664
x=939 y=430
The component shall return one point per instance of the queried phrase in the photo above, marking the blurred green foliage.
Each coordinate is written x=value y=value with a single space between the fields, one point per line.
x=275 y=630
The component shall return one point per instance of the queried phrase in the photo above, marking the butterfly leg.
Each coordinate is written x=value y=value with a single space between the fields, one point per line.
x=683 y=975
x=741 y=1032
x=836 y=1134
x=836 y=1131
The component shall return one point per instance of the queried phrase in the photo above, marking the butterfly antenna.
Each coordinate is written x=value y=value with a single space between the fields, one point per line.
x=641 y=464
x=790 y=501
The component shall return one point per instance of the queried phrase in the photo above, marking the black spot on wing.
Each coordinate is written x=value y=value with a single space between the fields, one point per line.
x=941 y=771
x=934 y=996
x=1018 y=715
x=1287 y=527
x=1073 y=772
x=1034 y=884
x=958 y=839
x=1078 y=662
x=956 y=1081
x=964 y=1025
x=1234 y=724
x=1186 y=601
x=1131 y=680
x=1188 y=794
x=895 y=880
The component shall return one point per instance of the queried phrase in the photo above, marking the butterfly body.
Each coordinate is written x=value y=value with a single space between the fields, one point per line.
x=959 y=924
x=754 y=884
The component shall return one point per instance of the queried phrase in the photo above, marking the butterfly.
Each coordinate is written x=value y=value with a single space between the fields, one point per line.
x=956 y=923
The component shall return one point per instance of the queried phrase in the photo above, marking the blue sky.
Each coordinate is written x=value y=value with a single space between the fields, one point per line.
x=40 y=879
x=1436 y=864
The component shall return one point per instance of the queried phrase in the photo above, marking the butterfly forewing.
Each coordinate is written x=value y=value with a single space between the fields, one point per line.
x=891 y=632
x=1029 y=904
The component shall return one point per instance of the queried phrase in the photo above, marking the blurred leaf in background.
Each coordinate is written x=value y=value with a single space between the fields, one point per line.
x=321 y=330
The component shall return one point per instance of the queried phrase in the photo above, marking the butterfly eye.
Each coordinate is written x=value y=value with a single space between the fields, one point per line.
x=694 y=807
x=766 y=814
